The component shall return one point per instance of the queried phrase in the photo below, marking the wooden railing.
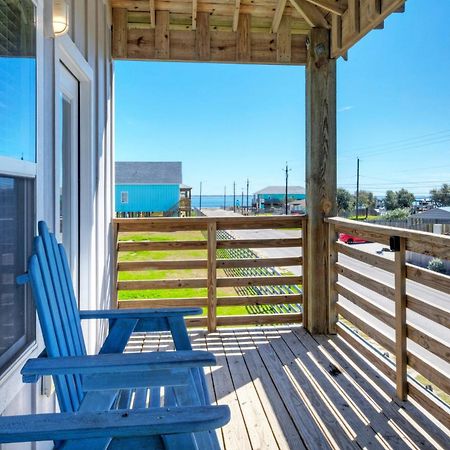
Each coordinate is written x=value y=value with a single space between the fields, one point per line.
x=211 y=264
x=401 y=310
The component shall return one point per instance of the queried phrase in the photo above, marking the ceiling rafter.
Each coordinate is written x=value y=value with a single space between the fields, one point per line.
x=335 y=6
x=151 y=4
x=237 y=8
x=194 y=14
x=279 y=11
x=311 y=13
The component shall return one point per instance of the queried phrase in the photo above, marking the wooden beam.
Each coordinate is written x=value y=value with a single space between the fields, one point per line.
x=152 y=13
x=120 y=33
x=311 y=13
x=202 y=37
x=400 y=321
x=361 y=17
x=284 y=40
x=162 y=35
x=194 y=15
x=336 y=7
x=320 y=172
x=243 y=41
x=279 y=11
x=236 y=13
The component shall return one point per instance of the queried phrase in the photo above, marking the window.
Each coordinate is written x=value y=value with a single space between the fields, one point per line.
x=124 y=197
x=17 y=316
x=17 y=155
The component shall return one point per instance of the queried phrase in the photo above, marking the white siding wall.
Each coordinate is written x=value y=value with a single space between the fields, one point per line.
x=91 y=33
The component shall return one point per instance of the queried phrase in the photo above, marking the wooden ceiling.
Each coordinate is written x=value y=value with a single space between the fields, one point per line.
x=240 y=31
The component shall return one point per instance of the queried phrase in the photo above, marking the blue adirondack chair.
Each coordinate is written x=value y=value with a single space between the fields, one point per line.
x=102 y=387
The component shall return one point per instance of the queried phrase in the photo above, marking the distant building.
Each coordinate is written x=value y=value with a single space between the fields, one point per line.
x=149 y=187
x=435 y=215
x=275 y=196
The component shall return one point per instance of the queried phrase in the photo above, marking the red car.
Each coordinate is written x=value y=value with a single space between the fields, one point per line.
x=350 y=239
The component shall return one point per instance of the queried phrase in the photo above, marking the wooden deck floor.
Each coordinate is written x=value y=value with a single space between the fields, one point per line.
x=288 y=390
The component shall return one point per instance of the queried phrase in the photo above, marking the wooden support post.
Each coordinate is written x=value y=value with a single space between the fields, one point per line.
x=114 y=266
x=320 y=172
x=400 y=320
x=212 y=277
x=120 y=33
x=305 y=270
x=332 y=278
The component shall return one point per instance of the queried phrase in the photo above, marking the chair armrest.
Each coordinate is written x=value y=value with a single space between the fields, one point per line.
x=114 y=363
x=145 y=313
x=107 y=424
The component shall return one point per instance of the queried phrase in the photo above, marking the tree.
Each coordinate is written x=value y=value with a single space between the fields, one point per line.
x=405 y=199
x=390 y=201
x=366 y=199
x=441 y=196
x=345 y=200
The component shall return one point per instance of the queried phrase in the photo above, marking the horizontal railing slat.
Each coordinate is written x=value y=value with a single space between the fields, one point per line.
x=260 y=243
x=365 y=257
x=258 y=262
x=161 y=284
x=201 y=223
x=259 y=281
x=428 y=278
x=130 y=266
x=249 y=300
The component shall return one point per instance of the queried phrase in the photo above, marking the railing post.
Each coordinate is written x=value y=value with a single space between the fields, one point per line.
x=212 y=276
x=305 y=270
x=398 y=244
x=114 y=265
x=332 y=279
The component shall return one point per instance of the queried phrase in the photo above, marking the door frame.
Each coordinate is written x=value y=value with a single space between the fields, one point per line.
x=70 y=56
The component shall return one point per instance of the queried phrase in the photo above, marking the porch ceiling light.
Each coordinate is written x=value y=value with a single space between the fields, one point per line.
x=61 y=11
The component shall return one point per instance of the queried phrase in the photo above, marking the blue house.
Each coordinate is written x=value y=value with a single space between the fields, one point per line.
x=274 y=196
x=147 y=187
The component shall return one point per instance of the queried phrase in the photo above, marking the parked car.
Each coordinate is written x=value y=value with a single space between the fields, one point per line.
x=350 y=239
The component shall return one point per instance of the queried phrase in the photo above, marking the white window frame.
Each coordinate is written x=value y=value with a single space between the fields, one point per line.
x=124 y=195
x=11 y=379
x=67 y=53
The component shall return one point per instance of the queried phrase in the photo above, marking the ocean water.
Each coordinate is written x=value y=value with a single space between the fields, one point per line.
x=216 y=201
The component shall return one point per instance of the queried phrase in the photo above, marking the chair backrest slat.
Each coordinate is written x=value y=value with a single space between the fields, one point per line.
x=61 y=320
x=72 y=304
x=48 y=329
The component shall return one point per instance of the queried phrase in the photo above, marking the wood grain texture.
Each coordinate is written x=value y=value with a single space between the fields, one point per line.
x=212 y=277
x=202 y=37
x=162 y=35
x=243 y=39
x=120 y=33
x=320 y=172
x=284 y=41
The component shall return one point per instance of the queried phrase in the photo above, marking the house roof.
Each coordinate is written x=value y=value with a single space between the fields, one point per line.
x=276 y=190
x=442 y=212
x=143 y=172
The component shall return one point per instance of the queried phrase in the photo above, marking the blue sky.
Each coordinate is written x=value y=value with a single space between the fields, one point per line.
x=230 y=122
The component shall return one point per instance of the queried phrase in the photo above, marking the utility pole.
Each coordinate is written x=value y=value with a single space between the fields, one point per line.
x=200 y=196
x=225 y=197
x=234 y=196
x=357 y=187
x=242 y=200
x=248 y=184
x=287 y=170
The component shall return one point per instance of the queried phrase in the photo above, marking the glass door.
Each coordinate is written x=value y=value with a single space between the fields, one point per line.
x=67 y=168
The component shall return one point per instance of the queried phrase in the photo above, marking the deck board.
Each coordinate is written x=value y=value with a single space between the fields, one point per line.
x=289 y=390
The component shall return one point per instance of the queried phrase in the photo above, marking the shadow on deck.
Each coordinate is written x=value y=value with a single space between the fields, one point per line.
x=289 y=390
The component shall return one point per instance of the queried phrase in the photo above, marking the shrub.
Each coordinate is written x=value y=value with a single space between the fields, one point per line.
x=397 y=214
x=436 y=265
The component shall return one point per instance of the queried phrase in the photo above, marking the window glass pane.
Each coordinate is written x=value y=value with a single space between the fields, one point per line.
x=17 y=79
x=16 y=232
